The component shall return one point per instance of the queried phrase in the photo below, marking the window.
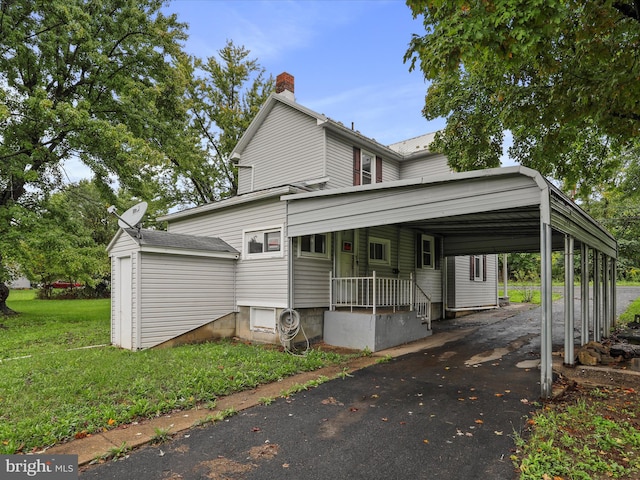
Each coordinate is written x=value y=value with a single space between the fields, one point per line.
x=367 y=167
x=426 y=252
x=379 y=251
x=478 y=268
x=263 y=243
x=313 y=246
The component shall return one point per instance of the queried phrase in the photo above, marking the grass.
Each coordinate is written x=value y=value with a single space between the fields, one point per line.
x=527 y=294
x=631 y=312
x=52 y=391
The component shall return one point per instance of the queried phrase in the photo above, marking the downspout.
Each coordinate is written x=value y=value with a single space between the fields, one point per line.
x=290 y=269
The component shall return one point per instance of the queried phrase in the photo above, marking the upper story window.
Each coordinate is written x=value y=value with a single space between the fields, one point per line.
x=313 y=246
x=266 y=242
x=367 y=167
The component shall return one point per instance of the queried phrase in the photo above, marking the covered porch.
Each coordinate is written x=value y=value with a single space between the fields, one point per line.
x=376 y=312
x=513 y=209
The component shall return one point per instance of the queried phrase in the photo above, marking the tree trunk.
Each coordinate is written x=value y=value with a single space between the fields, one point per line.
x=4 y=294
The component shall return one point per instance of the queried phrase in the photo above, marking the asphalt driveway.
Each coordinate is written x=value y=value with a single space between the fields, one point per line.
x=447 y=412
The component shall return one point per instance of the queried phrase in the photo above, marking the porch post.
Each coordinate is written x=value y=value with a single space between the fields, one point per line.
x=584 y=297
x=331 y=307
x=546 y=338
x=569 y=357
x=375 y=288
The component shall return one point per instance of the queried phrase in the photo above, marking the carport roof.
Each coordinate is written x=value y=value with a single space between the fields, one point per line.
x=486 y=211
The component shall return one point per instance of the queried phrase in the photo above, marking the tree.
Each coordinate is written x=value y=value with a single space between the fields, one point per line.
x=561 y=76
x=90 y=79
x=224 y=96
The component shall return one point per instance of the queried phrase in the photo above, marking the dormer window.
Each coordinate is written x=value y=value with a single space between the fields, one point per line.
x=367 y=167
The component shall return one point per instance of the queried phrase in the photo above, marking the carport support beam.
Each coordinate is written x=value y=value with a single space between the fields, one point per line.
x=569 y=357
x=584 y=297
x=597 y=326
x=546 y=337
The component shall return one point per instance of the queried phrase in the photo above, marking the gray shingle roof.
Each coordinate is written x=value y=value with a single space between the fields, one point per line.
x=159 y=238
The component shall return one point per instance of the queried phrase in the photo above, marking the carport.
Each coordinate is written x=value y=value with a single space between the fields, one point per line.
x=502 y=210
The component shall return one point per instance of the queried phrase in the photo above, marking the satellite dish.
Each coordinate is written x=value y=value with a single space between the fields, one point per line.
x=133 y=216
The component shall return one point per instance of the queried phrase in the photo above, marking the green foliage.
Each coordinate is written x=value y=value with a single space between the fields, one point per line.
x=631 y=312
x=52 y=393
x=591 y=436
x=560 y=76
x=86 y=80
x=224 y=95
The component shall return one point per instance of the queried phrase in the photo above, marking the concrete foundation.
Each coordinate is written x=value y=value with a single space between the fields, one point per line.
x=374 y=332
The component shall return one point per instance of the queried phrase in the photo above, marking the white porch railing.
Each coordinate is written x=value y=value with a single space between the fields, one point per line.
x=379 y=292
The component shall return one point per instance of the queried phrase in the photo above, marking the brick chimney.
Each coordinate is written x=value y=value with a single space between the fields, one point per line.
x=284 y=85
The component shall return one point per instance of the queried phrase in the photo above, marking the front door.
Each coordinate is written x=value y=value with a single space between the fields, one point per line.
x=347 y=256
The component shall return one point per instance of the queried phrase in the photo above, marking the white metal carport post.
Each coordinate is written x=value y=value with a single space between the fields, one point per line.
x=546 y=338
x=584 y=297
x=569 y=358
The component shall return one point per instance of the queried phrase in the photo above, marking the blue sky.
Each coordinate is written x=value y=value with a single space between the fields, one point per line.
x=346 y=55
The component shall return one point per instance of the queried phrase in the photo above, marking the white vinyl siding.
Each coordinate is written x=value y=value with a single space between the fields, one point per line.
x=260 y=281
x=180 y=293
x=424 y=167
x=288 y=148
x=124 y=246
x=339 y=156
x=462 y=292
x=311 y=280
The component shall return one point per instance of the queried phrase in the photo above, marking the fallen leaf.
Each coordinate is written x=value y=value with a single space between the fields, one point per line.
x=507 y=391
x=384 y=419
x=497 y=432
x=353 y=409
x=255 y=429
x=473 y=398
x=111 y=421
x=425 y=441
x=499 y=394
x=375 y=395
x=285 y=465
x=479 y=422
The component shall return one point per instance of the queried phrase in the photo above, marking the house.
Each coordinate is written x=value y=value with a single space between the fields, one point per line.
x=333 y=235
x=370 y=287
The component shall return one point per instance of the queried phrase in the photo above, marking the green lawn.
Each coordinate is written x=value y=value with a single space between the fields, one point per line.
x=52 y=391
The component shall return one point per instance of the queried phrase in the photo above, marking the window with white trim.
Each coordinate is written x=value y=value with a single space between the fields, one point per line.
x=263 y=243
x=367 y=168
x=379 y=251
x=427 y=251
x=316 y=245
x=478 y=266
